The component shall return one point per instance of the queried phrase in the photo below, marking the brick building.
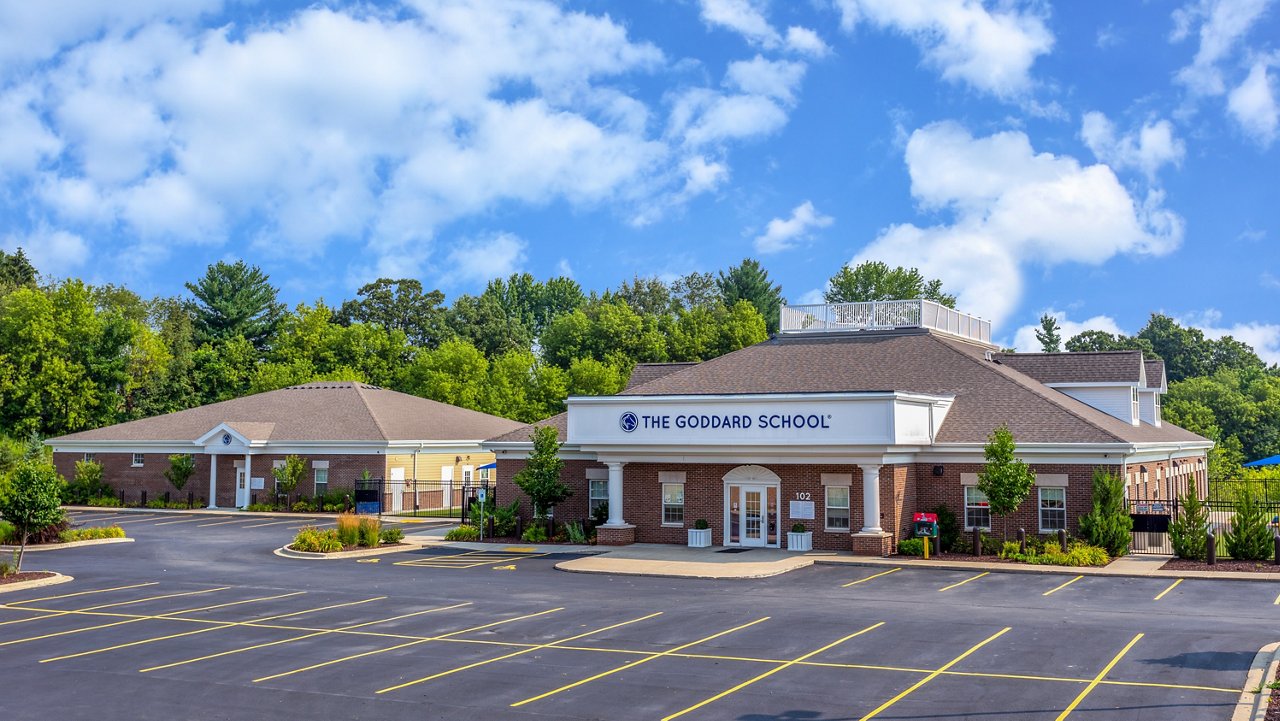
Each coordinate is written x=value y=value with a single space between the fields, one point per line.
x=850 y=419
x=342 y=429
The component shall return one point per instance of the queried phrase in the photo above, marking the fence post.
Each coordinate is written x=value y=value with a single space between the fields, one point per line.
x=191 y=499
x=1275 y=550
x=122 y=497
x=1022 y=541
x=977 y=541
x=1211 y=549
x=143 y=502
x=937 y=544
x=1062 y=540
x=166 y=498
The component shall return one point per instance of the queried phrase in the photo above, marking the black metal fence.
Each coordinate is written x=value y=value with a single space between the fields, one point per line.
x=1151 y=518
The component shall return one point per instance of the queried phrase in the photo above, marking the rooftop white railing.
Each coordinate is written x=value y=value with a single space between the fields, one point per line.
x=883 y=315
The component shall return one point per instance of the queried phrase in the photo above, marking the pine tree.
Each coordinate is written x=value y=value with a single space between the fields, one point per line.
x=1108 y=525
x=1249 y=538
x=1187 y=531
x=750 y=282
x=1048 y=335
x=235 y=299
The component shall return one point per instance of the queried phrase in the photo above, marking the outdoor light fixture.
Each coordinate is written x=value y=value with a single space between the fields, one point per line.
x=937 y=470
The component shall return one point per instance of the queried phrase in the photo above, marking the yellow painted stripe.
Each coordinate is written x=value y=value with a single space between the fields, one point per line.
x=1055 y=589
x=868 y=578
x=163 y=617
x=633 y=664
x=913 y=687
x=521 y=652
x=1101 y=674
x=1276 y=602
x=1170 y=588
x=769 y=673
x=108 y=625
x=54 y=614
x=956 y=585
x=79 y=593
x=405 y=645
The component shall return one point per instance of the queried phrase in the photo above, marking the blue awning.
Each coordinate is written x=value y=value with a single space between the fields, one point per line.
x=495 y=465
x=1269 y=461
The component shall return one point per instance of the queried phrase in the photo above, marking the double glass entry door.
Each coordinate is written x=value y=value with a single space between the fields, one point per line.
x=753 y=515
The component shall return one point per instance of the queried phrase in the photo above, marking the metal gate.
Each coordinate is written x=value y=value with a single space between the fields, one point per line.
x=1151 y=525
x=424 y=498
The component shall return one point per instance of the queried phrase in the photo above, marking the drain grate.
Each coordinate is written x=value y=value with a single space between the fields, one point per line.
x=733 y=550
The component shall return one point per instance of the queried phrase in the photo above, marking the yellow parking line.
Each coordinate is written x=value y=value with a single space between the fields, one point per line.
x=868 y=578
x=513 y=654
x=770 y=672
x=954 y=585
x=1276 y=602
x=1101 y=674
x=184 y=520
x=1055 y=589
x=52 y=614
x=106 y=625
x=164 y=617
x=635 y=663
x=79 y=593
x=223 y=523
x=1170 y=588
x=405 y=645
x=942 y=669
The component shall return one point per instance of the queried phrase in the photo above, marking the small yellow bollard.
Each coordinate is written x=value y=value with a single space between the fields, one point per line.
x=927 y=542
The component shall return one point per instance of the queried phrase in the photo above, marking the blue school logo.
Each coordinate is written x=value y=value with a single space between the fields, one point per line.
x=628 y=422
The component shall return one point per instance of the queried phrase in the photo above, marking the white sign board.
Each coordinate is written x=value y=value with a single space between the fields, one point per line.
x=257 y=483
x=481 y=494
x=801 y=510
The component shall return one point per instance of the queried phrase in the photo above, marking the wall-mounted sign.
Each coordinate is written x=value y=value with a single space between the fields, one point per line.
x=801 y=510
x=257 y=483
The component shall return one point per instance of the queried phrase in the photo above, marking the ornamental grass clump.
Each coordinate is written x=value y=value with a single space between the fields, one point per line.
x=348 y=529
x=369 y=530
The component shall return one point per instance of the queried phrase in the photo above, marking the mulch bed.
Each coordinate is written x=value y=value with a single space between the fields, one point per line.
x=1182 y=564
x=26 y=576
x=962 y=557
x=1273 y=702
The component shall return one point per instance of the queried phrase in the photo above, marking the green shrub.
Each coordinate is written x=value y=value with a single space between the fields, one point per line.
x=103 y=502
x=575 y=533
x=504 y=519
x=798 y=528
x=1010 y=549
x=261 y=507
x=315 y=540
x=304 y=506
x=8 y=533
x=1080 y=554
x=1108 y=525
x=600 y=514
x=463 y=533
x=332 y=508
x=391 y=536
x=701 y=524
x=535 y=533
x=1249 y=538
x=91 y=534
x=9 y=567
x=348 y=529
x=911 y=547
x=948 y=526
x=1188 y=530
x=370 y=530
x=87 y=483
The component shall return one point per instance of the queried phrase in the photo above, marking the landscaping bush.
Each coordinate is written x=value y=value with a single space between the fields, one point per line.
x=314 y=540
x=1188 y=530
x=504 y=519
x=104 y=502
x=304 y=506
x=574 y=533
x=1249 y=538
x=9 y=567
x=1108 y=525
x=948 y=526
x=370 y=528
x=261 y=507
x=8 y=533
x=535 y=533
x=51 y=532
x=1010 y=549
x=86 y=484
x=1078 y=554
x=463 y=533
x=332 y=508
x=911 y=547
x=990 y=544
x=91 y=534
x=348 y=529
x=391 y=536
x=160 y=503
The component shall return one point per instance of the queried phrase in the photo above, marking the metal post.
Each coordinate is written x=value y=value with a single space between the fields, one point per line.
x=977 y=541
x=143 y=502
x=166 y=499
x=191 y=500
x=1022 y=541
x=1211 y=549
x=1062 y=540
x=937 y=545
x=1275 y=550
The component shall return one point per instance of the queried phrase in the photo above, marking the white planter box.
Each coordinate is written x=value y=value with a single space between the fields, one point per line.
x=800 y=541
x=699 y=538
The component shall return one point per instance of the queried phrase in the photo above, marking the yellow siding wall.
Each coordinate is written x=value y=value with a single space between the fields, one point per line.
x=429 y=465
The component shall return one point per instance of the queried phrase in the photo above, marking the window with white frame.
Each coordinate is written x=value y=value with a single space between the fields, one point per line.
x=673 y=504
x=90 y=458
x=484 y=476
x=467 y=472
x=137 y=460
x=598 y=494
x=321 y=471
x=837 y=508
x=977 y=511
x=276 y=481
x=1135 y=404
x=1053 y=509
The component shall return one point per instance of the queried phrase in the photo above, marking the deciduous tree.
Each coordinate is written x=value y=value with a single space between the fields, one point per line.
x=32 y=501
x=540 y=477
x=1005 y=480
x=874 y=280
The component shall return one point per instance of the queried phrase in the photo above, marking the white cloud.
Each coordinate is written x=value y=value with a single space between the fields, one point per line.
x=991 y=50
x=777 y=79
x=1025 y=337
x=1146 y=149
x=1264 y=338
x=564 y=269
x=806 y=42
x=28 y=142
x=745 y=17
x=52 y=252
x=784 y=233
x=1013 y=207
x=1253 y=104
x=1223 y=24
x=703 y=175
x=480 y=260
x=701 y=116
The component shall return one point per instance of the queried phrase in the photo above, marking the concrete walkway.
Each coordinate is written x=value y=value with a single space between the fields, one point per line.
x=247 y=514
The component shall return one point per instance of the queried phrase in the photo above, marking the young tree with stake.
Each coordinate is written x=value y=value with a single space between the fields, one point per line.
x=540 y=477
x=289 y=475
x=32 y=501
x=1005 y=480
x=181 y=466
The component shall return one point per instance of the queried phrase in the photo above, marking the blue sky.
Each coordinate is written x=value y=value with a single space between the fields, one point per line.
x=1097 y=160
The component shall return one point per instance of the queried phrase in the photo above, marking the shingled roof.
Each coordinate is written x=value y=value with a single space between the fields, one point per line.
x=321 y=411
x=1155 y=373
x=915 y=360
x=645 y=372
x=1121 y=366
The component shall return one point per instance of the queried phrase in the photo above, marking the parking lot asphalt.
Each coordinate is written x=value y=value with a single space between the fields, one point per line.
x=199 y=620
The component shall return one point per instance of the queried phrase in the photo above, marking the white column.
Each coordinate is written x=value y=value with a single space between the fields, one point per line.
x=213 y=480
x=248 y=478
x=871 y=499
x=615 y=495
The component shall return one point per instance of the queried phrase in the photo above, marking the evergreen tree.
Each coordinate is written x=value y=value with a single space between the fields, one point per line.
x=235 y=299
x=540 y=477
x=1249 y=538
x=1100 y=340
x=1187 y=530
x=16 y=271
x=1005 y=480
x=750 y=282
x=1108 y=525
x=1048 y=336
x=874 y=280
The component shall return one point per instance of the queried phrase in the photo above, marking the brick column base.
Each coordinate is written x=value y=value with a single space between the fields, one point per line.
x=615 y=535
x=872 y=544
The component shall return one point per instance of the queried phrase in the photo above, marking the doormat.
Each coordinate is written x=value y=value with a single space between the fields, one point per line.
x=733 y=550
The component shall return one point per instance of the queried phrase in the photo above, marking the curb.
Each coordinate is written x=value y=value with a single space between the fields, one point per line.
x=562 y=566
x=1253 y=706
x=286 y=552
x=71 y=544
x=248 y=514
x=53 y=580
x=1053 y=570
